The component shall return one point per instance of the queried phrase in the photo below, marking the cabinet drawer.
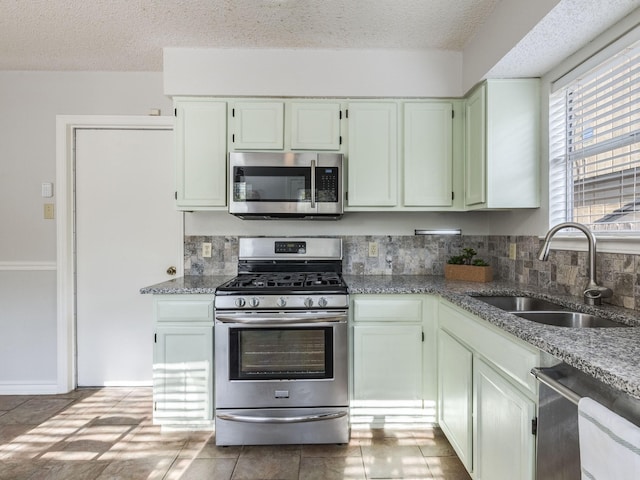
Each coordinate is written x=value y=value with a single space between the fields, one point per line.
x=514 y=358
x=384 y=309
x=184 y=310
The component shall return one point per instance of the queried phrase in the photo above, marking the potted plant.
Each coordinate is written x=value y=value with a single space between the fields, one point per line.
x=465 y=267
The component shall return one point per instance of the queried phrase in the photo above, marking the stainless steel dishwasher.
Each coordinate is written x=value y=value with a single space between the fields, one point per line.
x=560 y=390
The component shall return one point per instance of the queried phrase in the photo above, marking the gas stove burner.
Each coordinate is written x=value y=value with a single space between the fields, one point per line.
x=284 y=281
x=322 y=279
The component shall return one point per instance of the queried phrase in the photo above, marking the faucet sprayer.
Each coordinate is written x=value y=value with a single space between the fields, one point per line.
x=594 y=293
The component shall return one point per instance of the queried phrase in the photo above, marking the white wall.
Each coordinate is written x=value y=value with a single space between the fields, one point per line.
x=30 y=102
x=320 y=73
x=353 y=223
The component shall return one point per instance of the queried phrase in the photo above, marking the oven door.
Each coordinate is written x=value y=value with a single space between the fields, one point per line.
x=275 y=359
x=267 y=184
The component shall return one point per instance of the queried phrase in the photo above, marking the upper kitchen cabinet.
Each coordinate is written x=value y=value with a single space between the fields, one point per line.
x=502 y=126
x=428 y=154
x=201 y=152
x=372 y=154
x=315 y=126
x=258 y=125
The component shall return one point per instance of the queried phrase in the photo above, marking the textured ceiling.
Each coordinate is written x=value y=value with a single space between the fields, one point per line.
x=569 y=26
x=128 y=35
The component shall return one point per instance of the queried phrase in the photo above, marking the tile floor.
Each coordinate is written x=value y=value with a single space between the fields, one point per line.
x=108 y=434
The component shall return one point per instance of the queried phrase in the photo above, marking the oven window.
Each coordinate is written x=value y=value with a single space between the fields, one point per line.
x=281 y=353
x=272 y=184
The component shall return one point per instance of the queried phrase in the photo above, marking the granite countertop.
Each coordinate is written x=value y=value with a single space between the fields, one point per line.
x=189 y=284
x=609 y=354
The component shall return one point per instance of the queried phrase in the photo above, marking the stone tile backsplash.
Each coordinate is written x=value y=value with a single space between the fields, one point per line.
x=564 y=272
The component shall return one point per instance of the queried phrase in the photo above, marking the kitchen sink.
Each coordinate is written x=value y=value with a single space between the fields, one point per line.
x=548 y=313
x=569 y=319
x=519 y=303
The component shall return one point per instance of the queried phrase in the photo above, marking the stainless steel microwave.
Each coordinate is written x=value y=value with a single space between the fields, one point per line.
x=268 y=185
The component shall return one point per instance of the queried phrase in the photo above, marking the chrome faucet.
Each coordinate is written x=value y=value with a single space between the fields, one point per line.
x=594 y=293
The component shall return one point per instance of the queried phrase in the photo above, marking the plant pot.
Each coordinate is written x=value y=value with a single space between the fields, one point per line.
x=468 y=273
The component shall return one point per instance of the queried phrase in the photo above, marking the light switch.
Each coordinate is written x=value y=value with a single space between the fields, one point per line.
x=47 y=190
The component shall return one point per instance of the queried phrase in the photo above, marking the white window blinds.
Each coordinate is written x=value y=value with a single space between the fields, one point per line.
x=594 y=131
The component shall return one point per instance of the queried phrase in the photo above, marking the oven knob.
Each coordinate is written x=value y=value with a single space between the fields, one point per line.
x=308 y=302
x=281 y=302
x=240 y=302
x=322 y=302
x=254 y=302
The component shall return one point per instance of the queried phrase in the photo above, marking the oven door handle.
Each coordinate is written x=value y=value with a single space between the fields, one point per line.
x=265 y=320
x=299 y=419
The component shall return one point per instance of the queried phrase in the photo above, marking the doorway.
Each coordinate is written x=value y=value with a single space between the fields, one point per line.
x=124 y=232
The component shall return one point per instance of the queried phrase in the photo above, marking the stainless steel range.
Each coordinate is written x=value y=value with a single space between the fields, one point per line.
x=281 y=345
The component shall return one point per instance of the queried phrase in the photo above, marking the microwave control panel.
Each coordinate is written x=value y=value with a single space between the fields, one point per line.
x=327 y=184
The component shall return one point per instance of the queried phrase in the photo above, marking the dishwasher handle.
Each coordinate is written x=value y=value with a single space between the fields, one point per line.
x=556 y=386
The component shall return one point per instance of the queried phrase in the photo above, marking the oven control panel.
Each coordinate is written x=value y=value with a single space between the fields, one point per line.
x=275 y=302
x=291 y=247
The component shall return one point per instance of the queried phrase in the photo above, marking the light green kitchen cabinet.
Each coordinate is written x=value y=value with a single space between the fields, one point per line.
x=428 y=154
x=475 y=151
x=183 y=361
x=487 y=397
x=201 y=153
x=504 y=445
x=394 y=352
x=258 y=125
x=315 y=125
x=455 y=395
x=502 y=151
x=387 y=365
x=372 y=154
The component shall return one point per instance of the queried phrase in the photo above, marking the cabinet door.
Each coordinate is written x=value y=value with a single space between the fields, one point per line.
x=504 y=444
x=475 y=148
x=258 y=126
x=428 y=154
x=315 y=126
x=201 y=153
x=455 y=388
x=513 y=132
x=387 y=364
x=183 y=374
x=373 y=155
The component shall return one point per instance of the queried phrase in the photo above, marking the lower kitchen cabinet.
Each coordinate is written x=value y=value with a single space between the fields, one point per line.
x=455 y=395
x=387 y=364
x=394 y=353
x=183 y=361
x=504 y=443
x=486 y=398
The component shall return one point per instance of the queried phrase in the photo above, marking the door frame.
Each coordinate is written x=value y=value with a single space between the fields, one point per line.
x=66 y=128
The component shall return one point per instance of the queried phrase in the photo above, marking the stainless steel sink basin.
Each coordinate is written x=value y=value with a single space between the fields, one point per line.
x=569 y=319
x=519 y=303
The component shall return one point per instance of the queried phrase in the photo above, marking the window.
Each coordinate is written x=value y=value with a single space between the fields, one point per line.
x=594 y=132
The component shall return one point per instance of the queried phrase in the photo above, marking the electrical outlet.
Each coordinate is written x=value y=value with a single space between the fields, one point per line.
x=206 y=250
x=49 y=211
x=373 y=249
x=512 y=251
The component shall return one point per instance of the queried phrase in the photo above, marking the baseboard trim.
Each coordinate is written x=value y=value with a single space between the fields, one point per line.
x=7 y=388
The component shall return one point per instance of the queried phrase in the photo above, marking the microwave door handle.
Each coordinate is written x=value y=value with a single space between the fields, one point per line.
x=313 y=183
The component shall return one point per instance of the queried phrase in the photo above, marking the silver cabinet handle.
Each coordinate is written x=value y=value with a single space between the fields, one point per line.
x=301 y=419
